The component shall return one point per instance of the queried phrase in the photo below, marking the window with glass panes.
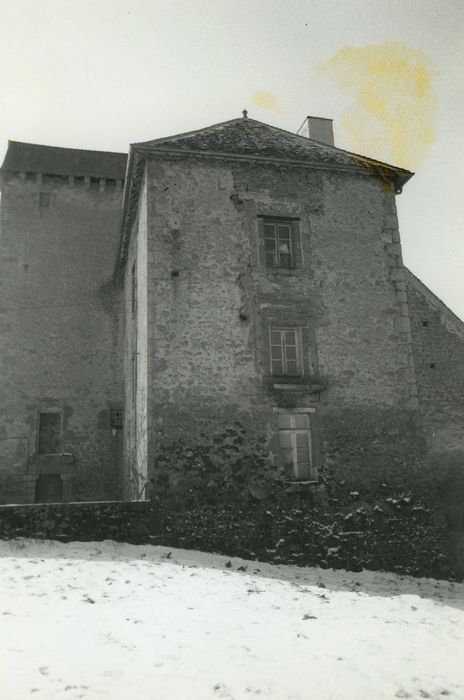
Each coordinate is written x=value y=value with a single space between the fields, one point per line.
x=296 y=446
x=285 y=352
x=278 y=244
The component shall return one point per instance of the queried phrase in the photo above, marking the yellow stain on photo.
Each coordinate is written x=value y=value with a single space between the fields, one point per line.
x=393 y=109
x=266 y=100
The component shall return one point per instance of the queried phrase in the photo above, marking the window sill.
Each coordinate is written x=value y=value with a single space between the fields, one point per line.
x=66 y=457
x=285 y=271
x=308 y=388
x=315 y=489
x=302 y=482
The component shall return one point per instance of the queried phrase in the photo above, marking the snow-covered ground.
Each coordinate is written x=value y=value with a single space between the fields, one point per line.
x=117 y=621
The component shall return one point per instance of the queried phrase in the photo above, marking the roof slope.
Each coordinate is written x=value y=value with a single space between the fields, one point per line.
x=449 y=317
x=249 y=137
x=52 y=160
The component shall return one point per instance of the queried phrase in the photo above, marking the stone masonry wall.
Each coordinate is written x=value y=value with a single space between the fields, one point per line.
x=438 y=340
x=59 y=334
x=211 y=300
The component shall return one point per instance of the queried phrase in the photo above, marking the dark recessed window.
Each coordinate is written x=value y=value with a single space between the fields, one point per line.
x=116 y=418
x=49 y=489
x=49 y=433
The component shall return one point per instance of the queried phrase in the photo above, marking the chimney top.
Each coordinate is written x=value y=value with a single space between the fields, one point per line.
x=318 y=129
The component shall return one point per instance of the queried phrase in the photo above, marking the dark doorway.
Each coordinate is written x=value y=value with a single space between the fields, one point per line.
x=49 y=489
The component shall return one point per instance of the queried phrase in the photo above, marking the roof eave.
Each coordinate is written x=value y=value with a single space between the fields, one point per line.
x=397 y=177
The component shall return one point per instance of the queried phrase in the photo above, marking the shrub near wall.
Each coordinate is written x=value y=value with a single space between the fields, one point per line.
x=244 y=510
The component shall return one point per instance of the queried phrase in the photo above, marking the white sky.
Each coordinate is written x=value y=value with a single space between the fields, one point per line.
x=104 y=73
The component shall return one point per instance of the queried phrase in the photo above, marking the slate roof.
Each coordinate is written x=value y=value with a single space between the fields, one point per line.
x=248 y=137
x=52 y=160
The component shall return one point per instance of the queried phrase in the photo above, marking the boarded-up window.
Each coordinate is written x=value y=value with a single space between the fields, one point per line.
x=49 y=488
x=296 y=445
x=49 y=439
x=285 y=351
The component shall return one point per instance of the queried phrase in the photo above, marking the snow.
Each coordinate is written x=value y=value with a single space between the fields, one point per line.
x=108 y=620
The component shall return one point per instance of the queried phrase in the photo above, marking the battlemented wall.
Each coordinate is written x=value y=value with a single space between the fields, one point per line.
x=59 y=333
x=211 y=301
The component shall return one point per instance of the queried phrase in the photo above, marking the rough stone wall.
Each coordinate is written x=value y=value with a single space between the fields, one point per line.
x=211 y=301
x=203 y=365
x=438 y=341
x=82 y=522
x=59 y=334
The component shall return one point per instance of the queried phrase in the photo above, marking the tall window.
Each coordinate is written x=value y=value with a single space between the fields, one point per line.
x=296 y=445
x=278 y=244
x=285 y=345
x=49 y=433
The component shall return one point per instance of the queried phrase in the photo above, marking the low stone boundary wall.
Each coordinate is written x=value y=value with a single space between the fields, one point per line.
x=123 y=521
x=404 y=539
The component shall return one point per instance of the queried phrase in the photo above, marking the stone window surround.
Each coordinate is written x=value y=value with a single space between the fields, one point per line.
x=291 y=434
x=295 y=243
x=47 y=411
x=292 y=328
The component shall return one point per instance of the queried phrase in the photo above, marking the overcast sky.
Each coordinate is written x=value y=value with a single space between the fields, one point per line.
x=102 y=74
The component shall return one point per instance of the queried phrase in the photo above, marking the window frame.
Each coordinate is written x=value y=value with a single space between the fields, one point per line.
x=55 y=412
x=293 y=227
x=282 y=329
x=292 y=432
